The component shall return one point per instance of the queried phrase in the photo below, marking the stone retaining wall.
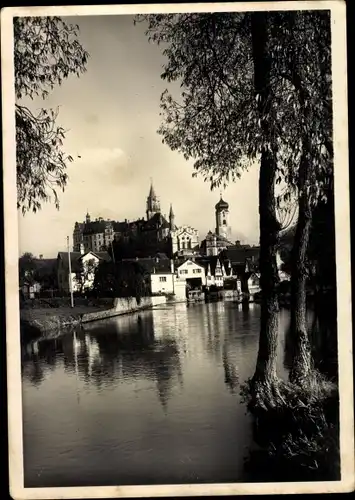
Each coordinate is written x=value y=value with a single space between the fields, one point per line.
x=124 y=306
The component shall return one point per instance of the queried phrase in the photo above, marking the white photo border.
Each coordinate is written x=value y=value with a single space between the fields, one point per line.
x=343 y=267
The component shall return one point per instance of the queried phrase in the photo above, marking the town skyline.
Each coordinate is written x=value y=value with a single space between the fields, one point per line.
x=112 y=115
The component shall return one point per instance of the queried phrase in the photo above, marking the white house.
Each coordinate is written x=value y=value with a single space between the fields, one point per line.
x=83 y=267
x=162 y=278
x=191 y=273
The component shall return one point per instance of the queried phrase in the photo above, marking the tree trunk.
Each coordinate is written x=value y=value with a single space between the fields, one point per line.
x=301 y=355
x=265 y=372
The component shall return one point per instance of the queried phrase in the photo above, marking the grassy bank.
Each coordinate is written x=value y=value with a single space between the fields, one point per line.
x=36 y=322
x=296 y=434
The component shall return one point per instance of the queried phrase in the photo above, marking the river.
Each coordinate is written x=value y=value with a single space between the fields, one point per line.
x=150 y=398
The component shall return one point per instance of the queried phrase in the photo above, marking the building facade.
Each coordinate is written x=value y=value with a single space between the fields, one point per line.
x=82 y=266
x=146 y=233
x=191 y=273
x=185 y=241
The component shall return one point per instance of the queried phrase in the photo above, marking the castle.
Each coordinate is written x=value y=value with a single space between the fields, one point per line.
x=153 y=232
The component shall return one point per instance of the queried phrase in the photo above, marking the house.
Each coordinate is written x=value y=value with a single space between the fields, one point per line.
x=192 y=274
x=159 y=273
x=29 y=289
x=216 y=270
x=83 y=265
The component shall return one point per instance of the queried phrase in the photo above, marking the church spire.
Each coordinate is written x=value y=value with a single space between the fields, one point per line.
x=152 y=194
x=153 y=205
x=171 y=218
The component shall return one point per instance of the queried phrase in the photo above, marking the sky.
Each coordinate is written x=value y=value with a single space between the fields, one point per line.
x=111 y=114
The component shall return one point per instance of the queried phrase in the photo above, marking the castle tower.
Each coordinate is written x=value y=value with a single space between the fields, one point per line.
x=171 y=218
x=153 y=205
x=222 y=219
x=87 y=218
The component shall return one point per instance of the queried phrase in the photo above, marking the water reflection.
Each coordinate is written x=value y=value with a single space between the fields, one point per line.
x=322 y=332
x=105 y=353
x=112 y=402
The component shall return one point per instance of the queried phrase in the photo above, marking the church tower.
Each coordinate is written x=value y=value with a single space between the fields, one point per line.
x=153 y=205
x=222 y=219
x=171 y=219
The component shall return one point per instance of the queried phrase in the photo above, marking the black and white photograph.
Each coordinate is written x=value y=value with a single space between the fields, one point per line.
x=177 y=249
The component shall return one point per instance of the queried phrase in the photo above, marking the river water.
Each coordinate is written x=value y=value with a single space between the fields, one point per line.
x=150 y=398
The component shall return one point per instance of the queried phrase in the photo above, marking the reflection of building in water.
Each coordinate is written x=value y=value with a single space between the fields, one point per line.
x=113 y=351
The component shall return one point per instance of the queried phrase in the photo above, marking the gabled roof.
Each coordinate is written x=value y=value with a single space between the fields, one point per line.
x=153 y=265
x=212 y=262
x=100 y=255
x=74 y=260
x=44 y=266
x=194 y=261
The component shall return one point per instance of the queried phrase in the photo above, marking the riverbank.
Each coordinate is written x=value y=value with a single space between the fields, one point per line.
x=297 y=434
x=39 y=322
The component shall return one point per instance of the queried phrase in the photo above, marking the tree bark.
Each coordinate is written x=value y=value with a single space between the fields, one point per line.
x=265 y=371
x=301 y=355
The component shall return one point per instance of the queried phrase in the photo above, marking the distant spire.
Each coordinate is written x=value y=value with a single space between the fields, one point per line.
x=152 y=194
x=171 y=213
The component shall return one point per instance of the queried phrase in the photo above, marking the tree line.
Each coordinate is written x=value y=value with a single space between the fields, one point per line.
x=255 y=88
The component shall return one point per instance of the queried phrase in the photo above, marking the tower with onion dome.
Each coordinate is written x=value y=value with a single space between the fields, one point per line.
x=222 y=219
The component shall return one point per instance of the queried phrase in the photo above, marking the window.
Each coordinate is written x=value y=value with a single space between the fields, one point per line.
x=224 y=221
x=162 y=279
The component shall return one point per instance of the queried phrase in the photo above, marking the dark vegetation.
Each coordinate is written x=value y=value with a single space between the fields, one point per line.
x=46 y=52
x=256 y=87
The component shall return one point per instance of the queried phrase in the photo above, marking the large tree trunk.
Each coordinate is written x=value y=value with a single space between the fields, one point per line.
x=265 y=372
x=301 y=364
